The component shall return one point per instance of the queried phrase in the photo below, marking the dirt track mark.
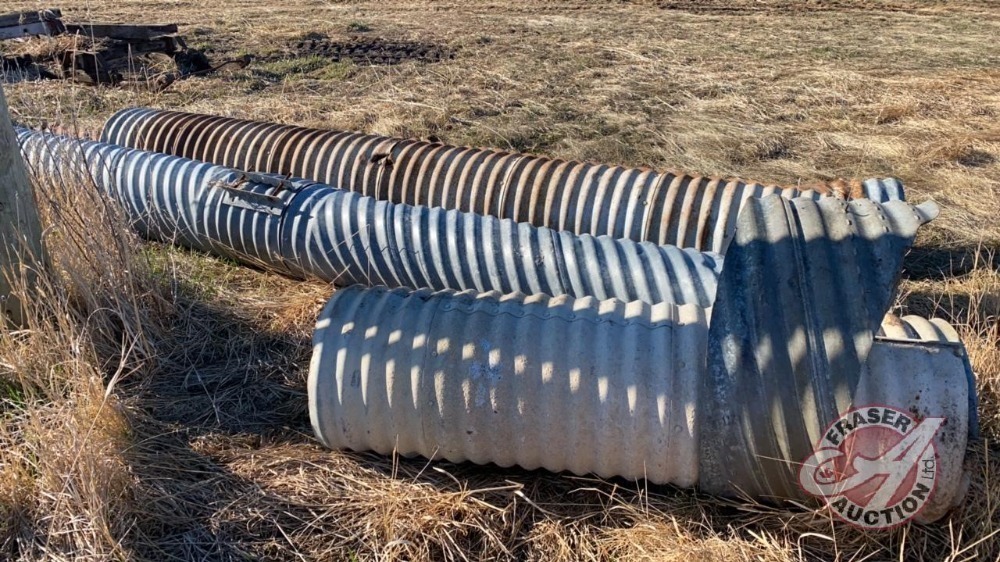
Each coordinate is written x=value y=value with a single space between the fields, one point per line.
x=373 y=51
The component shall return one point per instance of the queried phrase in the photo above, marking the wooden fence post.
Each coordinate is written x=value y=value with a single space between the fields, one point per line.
x=20 y=228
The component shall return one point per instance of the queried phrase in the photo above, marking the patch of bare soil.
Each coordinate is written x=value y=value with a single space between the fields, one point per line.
x=372 y=51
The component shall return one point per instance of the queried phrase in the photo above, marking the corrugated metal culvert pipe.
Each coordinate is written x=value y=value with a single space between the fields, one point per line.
x=583 y=198
x=733 y=402
x=790 y=350
x=918 y=328
x=305 y=229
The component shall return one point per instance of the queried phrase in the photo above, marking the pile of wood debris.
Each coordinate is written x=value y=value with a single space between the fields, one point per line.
x=42 y=46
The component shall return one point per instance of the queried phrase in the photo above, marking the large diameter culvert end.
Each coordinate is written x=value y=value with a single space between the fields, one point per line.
x=927 y=386
x=579 y=385
x=806 y=285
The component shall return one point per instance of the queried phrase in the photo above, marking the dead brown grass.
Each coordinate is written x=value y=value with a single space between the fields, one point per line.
x=155 y=408
x=65 y=484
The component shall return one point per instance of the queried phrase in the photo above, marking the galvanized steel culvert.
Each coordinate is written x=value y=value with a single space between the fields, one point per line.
x=732 y=400
x=632 y=203
x=918 y=328
x=937 y=330
x=565 y=384
x=805 y=288
x=301 y=228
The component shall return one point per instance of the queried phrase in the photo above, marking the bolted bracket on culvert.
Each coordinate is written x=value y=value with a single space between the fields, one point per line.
x=260 y=202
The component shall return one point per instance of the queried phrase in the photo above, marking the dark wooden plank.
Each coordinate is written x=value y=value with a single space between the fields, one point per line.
x=23 y=18
x=19 y=18
x=24 y=30
x=122 y=31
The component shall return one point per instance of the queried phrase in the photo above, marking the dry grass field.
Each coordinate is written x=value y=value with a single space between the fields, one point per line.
x=155 y=408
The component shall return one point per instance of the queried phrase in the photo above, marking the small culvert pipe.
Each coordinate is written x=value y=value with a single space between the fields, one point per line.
x=646 y=391
x=584 y=198
x=305 y=229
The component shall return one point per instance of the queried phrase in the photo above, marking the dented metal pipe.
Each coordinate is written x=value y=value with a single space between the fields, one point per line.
x=584 y=198
x=737 y=403
x=804 y=290
x=306 y=229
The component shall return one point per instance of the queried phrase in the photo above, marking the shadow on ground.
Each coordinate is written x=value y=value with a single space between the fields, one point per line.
x=936 y=263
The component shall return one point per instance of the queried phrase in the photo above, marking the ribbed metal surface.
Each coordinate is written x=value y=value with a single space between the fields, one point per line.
x=735 y=404
x=569 y=384
x=918 y=328
x=307 y=229
x=883 y=189
x=806 y=285
x=564 y=384
x=172 y=199
x=583 y=198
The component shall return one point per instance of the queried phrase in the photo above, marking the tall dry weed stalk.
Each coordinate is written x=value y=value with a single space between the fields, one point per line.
x=94 y=320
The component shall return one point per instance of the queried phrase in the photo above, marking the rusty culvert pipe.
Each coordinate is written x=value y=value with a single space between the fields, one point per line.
x=731 y=399
x=304 y=229
x=584 y=198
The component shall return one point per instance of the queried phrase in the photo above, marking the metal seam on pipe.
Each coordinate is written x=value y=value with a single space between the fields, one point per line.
x=602 y=200
x=805 y=286
x=306 y=229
